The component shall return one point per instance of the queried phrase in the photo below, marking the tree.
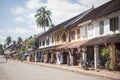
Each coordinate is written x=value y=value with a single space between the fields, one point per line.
x=106 y=55
x=32 y=43
x=8 y=40
x=19 y=40
x=14 y=44
x=43 y=18
x=1 y=49
x=4 y=46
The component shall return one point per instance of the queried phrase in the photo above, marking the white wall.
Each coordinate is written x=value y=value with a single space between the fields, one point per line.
x=93 y=28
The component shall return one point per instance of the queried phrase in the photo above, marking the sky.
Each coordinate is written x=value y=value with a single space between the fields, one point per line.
x=17 y=16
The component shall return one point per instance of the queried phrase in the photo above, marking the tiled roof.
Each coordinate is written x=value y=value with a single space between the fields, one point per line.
x=112 y=7
x=101 y=11
x=38 y=35
x=77 y=18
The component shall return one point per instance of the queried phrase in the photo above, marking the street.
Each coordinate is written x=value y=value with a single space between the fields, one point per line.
x=14 y=70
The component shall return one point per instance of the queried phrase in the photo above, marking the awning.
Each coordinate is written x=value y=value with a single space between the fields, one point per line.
x=63 y=46
x=113 y=38
x=72 y=44
x=77 y=44
x=50 y=47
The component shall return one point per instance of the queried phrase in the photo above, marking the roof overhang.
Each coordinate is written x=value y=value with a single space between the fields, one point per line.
x=84 y=23
x=74 y=44
x=103 y=40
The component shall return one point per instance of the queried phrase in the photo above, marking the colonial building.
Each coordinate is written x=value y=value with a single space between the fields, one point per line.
x=85 y=35
x=101 y=27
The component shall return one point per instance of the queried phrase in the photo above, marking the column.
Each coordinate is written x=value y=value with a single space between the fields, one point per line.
x=71 y=57
x=61 y=53
x=84 y=54
x=46 y=52
x=35 y=56
x=112 y=56
x=96 y=56
x=51 y=56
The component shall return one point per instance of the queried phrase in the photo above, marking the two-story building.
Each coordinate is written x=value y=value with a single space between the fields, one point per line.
x=101 y=27
x=86 y=34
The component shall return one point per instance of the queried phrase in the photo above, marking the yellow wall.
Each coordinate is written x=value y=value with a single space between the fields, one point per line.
x=60 y=33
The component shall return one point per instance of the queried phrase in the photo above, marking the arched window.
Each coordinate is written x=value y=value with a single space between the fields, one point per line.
x=64 y=37
x=73 y=35
x=57 y=38
x=78 y=33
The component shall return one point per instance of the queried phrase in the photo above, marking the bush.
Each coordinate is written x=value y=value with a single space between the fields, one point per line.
x=105 y=52
x=105 y=55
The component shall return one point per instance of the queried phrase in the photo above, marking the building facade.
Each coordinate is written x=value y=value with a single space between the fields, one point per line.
x=84 y=37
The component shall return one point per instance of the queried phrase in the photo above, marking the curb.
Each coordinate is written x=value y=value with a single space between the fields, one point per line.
x=70 y=69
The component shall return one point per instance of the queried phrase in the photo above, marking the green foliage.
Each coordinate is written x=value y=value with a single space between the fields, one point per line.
x=32 y=42
x=107 y=64
x=22 y=50
x=43 y=17
x=1 y=49
x=8 y=40
x=105 y=52
x=4 y=46
x=14 y=42
x=19 y=40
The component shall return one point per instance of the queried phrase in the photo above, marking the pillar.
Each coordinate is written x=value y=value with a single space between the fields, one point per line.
x=96 y=56
x=52 y=56
x=35 y=56
x=46 y=52
x=71 y=56
x=84 y=54
x=61 y=60
x=112 y=56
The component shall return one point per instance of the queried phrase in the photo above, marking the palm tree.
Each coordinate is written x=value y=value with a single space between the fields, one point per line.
x=43 y=18
x=8 y=40
x=19 y=40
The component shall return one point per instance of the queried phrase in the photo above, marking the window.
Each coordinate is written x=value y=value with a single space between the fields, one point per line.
x=64 y=37
x=114 y=24
x=73 y=35
x=84 y=31
x=47 y=41
x=78 y=34
x=44 y=43
x=91 y=30
x=101 y=27
x=52 y=39
x=57 y=38
x=40 y=43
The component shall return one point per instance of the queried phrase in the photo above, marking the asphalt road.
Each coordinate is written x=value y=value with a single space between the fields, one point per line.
x=12 y=70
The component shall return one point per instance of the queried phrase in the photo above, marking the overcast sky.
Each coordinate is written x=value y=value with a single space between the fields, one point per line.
x=17 y=16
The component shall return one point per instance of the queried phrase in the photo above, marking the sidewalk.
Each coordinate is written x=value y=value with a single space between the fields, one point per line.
x=115 y=75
